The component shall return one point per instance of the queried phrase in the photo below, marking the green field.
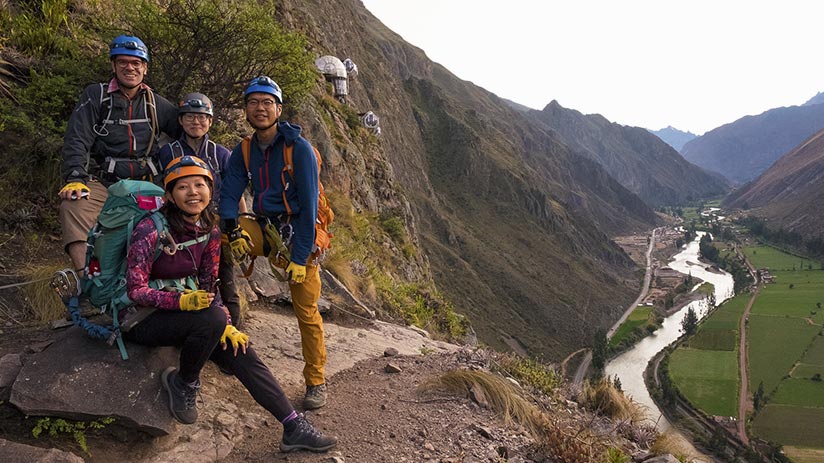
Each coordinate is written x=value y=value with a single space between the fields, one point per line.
x=637 y=319
x=815 y=354
x=801 y=301
x=767 y=362
x=773 y=259
x=800 y=392
x=789 y=425
x=804 y=454
x=707 y=378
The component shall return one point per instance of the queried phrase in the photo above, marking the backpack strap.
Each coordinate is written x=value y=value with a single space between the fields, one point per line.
x=290 y=169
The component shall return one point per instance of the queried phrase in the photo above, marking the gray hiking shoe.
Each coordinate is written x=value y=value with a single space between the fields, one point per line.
x=182 y=397
x=299 y=434
x=315 y=397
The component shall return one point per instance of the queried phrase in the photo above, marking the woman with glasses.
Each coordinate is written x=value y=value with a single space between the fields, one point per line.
x=195 y=112
x=193 y=318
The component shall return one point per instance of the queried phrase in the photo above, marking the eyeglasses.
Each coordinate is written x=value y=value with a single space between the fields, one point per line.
x=191 y=117
x=128 y=45
x=126 y=63
x=267 y=103
x=263 y=80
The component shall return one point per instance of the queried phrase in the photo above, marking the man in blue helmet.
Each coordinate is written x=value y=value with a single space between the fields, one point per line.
x=289 y=205
x=112 y=134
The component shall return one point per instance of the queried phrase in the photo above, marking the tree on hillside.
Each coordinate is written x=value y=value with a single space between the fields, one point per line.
x=217 y=46
x=600 y=351
x=690 y=322
x=758 y=398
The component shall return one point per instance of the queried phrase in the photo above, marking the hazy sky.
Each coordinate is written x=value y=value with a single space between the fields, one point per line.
x=694 y=64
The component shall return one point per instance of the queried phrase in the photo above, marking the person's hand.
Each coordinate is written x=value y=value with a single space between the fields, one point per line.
x=196 y=300
x=234 y=336
x=240 y=243
x=296 y=272
x=74 y=190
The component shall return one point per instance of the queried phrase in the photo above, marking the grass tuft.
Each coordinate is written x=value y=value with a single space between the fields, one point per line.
x=604 y=398
x=40 y=297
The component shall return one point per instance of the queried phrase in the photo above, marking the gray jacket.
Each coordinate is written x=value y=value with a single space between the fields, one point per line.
x=108 y=134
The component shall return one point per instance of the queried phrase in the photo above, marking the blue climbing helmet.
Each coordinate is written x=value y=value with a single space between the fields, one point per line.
x=264 y=84
x=130 y=46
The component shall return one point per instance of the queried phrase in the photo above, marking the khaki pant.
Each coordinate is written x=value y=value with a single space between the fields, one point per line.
x=305 y=303
x=78 y=216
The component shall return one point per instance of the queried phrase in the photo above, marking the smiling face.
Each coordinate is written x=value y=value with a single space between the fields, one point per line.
x=262 y=110
x=191 y=194
x=195 y=125
x=129 y=70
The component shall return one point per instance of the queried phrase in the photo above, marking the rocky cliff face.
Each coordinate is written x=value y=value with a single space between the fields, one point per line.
x=511 y=223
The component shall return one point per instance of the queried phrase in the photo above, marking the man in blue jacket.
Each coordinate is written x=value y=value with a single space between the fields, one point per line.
x=290 y=203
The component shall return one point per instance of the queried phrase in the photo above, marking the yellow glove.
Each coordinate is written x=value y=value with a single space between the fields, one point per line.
x=235 y=337
x=297 y=272
x=195 y=300
x=74 y=190
x=239 y=243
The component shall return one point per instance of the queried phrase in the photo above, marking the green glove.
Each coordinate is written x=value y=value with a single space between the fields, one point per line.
x=239 y=241
x=195 y=300
x=235 y=337
x=297 y=271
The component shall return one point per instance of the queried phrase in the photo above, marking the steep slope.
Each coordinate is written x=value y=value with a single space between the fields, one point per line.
x=743 y=149
x=674 y=137
x=513 y=223
x=640 y=161
x=790 y=194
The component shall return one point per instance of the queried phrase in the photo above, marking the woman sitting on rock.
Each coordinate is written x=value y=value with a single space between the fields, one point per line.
x=191 y=317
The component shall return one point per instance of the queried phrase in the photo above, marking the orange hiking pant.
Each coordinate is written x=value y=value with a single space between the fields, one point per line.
x=305 y=303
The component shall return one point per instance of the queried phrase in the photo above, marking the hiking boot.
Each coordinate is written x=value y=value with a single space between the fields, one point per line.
x=315 y=397
x=182 y=396
x=299 y=434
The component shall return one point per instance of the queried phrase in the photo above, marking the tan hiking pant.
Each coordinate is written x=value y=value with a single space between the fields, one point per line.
x=305 y=303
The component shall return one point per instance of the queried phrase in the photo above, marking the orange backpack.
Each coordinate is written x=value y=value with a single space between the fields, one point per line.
x=323 y=237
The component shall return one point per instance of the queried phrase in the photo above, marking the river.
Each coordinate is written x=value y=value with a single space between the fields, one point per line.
x=630 y=365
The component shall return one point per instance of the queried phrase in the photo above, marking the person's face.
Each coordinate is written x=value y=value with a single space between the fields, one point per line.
x=195 y=125
x=191 y=194
x=129 y=70
x=262 y=110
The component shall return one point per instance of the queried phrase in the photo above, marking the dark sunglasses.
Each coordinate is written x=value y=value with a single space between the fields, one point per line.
x=194 y=104
x=128 y=45
x=263 y=80
x=187 y=161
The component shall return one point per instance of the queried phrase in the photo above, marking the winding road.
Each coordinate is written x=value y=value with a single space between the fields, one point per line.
x=585 y=362
x=743 y=394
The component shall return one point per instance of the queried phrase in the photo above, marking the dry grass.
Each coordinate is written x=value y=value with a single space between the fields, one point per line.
x=672 y=443
x=602 y=397
x=571 y=442
x=40 y=297
x=337 y=263
x=500 y=394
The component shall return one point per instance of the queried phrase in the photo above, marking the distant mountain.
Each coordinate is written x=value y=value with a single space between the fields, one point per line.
x=640 y=161
x=817 y=99
x=790 y=194
x=674 y=137
x=743 y=149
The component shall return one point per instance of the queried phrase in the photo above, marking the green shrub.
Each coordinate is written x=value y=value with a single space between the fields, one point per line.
x=77 y=429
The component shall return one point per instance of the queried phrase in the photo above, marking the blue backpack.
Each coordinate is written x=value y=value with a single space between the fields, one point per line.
x=107 y=245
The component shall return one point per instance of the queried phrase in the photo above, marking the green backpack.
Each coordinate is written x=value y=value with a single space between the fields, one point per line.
x=107 y=245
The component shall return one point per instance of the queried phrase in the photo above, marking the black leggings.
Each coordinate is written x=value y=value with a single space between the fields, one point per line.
x=197 y=333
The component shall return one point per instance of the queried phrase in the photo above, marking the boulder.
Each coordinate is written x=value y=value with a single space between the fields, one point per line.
x=10 y=366
x=80 y=378
x=12 y=452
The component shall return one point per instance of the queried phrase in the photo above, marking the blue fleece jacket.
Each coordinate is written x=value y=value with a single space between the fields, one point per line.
x=265 y=169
